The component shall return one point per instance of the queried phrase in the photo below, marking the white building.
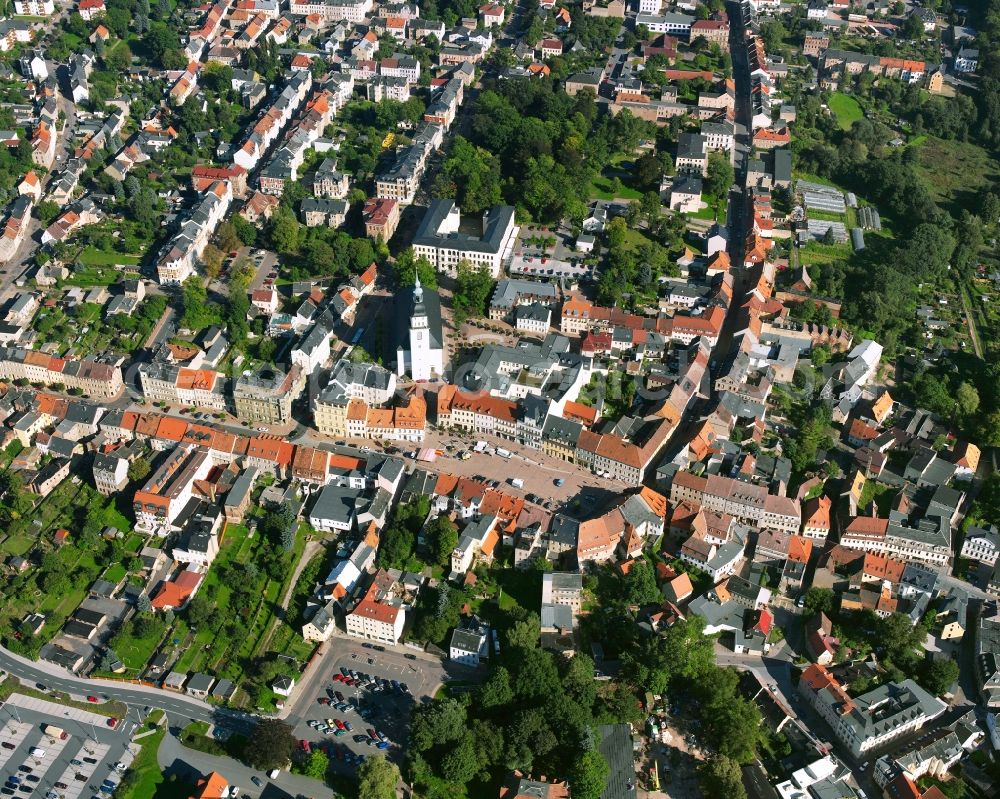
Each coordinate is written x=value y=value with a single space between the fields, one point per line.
x=420 y=348
x=672 y=23
x=982 y=544
x=439 y=240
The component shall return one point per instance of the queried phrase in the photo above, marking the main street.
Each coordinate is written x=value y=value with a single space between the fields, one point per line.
x=179 y=707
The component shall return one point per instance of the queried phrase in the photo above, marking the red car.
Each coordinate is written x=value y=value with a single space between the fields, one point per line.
x=323 y=700
x=339 y=723
x=112 y=723
x=91 y=698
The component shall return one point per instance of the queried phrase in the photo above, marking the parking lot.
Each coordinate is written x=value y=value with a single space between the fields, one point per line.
x=47 y=754
x=379 y=701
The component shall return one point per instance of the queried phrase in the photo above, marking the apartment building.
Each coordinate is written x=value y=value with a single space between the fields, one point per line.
x=333 y=10
x=178 y=385
x=92 y=377
x=379 y=616
x=265 y=395
x=982 y=544
x=873 y=719
x=381 y=218
x=746 y=502
x=562 y=588
x=178 y=257
x=171 y=486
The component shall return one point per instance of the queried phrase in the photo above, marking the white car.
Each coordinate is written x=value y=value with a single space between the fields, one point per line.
x=234 y=791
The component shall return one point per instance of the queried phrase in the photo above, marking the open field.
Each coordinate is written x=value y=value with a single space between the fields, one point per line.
x=846 y=109
x=956 y=172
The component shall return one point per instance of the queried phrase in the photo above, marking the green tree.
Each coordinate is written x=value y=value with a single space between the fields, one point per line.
x=317 y=764
x=46 y=211
x=461 y=763
x=472 y=289
x=119 y=58
x=408 y=266
x=283 y=231
x=139 y=469
x=648 y=170
x=470 y=175
x=721 y=777
x=395 y=546
x=937 y=676
x=639 y=585
x=720 y=175
x=246 y=232
x=967 y=399
x=377 y=778
x=496 y=691
x=913 y=28
x=442 y=537
x=270 y=745
x=437 y=724
x=588 y=775
x=817 y=600
x=524 y=634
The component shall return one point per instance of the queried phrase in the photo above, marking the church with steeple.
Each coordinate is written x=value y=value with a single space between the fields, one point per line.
x=419 y=340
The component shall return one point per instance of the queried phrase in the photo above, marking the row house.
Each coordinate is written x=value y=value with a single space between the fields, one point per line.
x=368 y=383
x=928 y=543
x=816 y=518
x=185 y=85
x=90 y=376
x=402 y=423
x=177 y=259
x=268 y=127
x=356 y=11
x=204 y=176
x=43 y=145
x=748 y=503
x=177 y=385
x=638 y=518
x=15 y=227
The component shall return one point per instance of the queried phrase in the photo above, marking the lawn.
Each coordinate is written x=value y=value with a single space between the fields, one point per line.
x=880 y=493
x=17 y=544
x=715 y=212
x=91 y=277
x=846 y=109
x=91 y=256
x=600 y=188
x=115 y=573
x=136 y=652
x=146 y=773
x=816 y=253
x=956 y=172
